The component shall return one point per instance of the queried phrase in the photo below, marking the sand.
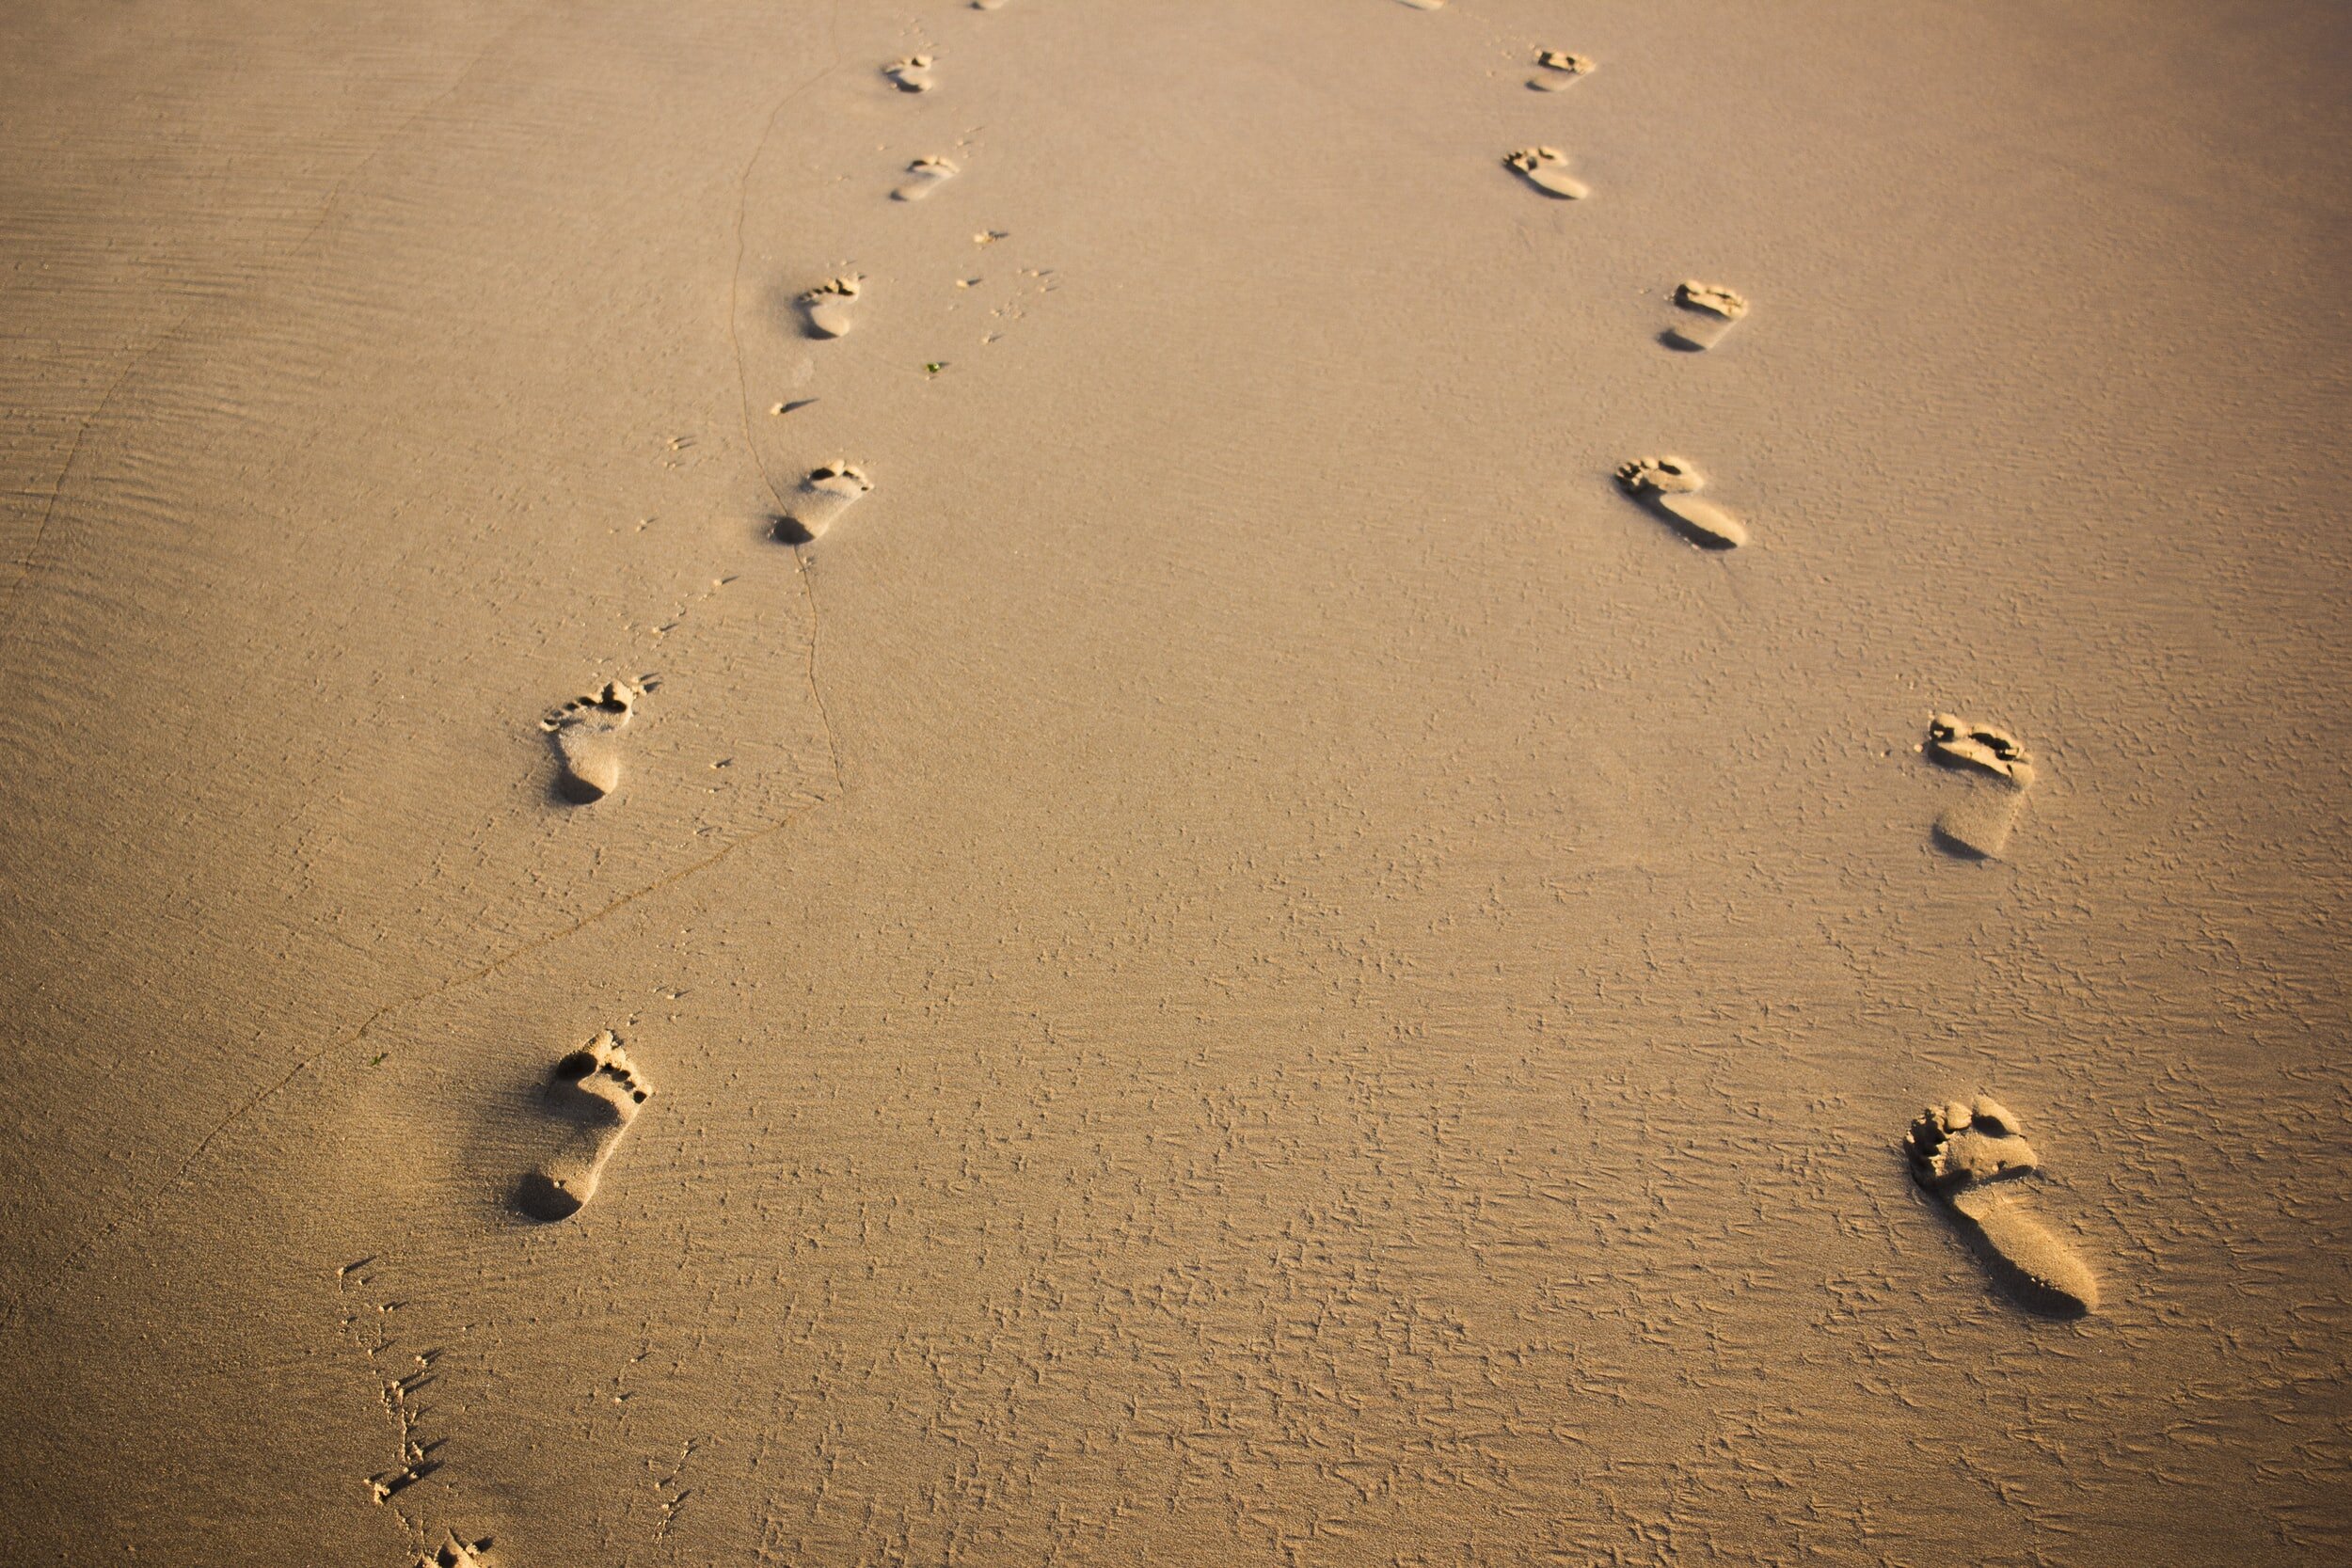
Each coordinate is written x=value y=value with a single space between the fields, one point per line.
x=1234 y=955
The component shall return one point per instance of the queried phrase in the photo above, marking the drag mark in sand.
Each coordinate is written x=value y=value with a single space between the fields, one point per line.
x=594 y=1093
x=1668 y=487
x=1959 y=1153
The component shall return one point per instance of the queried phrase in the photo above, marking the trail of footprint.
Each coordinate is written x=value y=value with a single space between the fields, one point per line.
x=1979 y=826
x=1712 y=311
x=912 y=75
x=1669 y=487
x=1547 y=169
x=595 y=1092
x=1557 y=70
x=823 y=496
x=924 y=176
x=586 y=735
x=1958 y=1154
x=827 y=306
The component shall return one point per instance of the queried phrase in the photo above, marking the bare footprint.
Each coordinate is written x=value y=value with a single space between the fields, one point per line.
x=827 y=306
x=912 y=75
x=1426 y=5
x=458 y=1552
x=924 y=176
x=1556 y=70
x=823 y=496
x=595 y=1092
x=1959 y=1153
x=1712 y=312
x=1669 y=486
x=586 y=732
x=1547 y=169
x=988 y=5
x=1980 y=824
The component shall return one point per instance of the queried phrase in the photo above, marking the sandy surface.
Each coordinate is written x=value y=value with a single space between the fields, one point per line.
x=1244 y=960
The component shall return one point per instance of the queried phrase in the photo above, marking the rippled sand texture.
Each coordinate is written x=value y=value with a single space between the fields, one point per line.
x=1244 y=960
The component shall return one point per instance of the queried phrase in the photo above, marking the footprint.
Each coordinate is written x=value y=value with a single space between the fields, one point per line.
x=1958 y=1154
x=457 y=1552
x=1713 y=311
x=1557 y=70
x=2000 y=774
x=1547 y=169
x=595 y=1092
x=823 y=496
x=1426 y=5
x=912 y=75
x=827 y=306
x=1669 y=486
x=988 y=5
x=587 y=736
x=924 y=175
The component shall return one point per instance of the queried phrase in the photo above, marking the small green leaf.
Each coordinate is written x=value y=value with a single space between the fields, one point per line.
x=377 y=1060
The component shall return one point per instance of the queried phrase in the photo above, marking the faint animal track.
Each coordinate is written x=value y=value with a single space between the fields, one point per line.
x=1557 y=70
x=595 y=1091
x=586 y=734
x=1547 y=169
x=823 y=496
x=912 y=75
x=1958 y=1152
x=2000 y=774
x=827 y=306
x=399 y=1380
x=1712 y=312
x=924 y=176
x=1669 y=486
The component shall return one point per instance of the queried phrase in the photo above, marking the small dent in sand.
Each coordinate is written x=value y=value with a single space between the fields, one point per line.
x=912 y=75
x=595 y=1092
x=1669 y=487
x=1959 y=1151
x=829 y=490
x=586 y=734
x=1712 y=311
x=924 y=176
x=827 y=305
x=1547 y=169
x=1556 y=70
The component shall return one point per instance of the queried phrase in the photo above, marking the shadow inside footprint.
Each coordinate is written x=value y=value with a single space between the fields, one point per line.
x=1667 y=487
x=593 y=1094
x=1961 y=1154
x=585 y=732
x=1979 y=826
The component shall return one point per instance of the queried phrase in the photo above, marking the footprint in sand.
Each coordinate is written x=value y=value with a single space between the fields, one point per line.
x=1669 y=486
x=595 y=1092
x=586 y=732
x=912 y=75
x=988 y=5
x=1556 y=70
x=1712 y=312
x=1960 y=1153
x=458 y=1552
x=1547 y=169
x=1426 y=5
x=924 y=176
x=827 y=306
x=823 y=496
x=1999 y=772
